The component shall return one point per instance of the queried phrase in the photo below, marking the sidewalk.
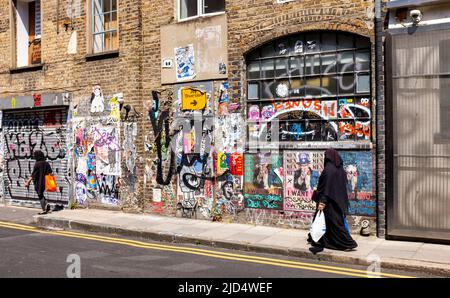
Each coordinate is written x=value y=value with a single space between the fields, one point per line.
x=415 y=256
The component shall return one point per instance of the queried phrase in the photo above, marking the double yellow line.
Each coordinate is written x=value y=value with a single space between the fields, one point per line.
x=208 y=253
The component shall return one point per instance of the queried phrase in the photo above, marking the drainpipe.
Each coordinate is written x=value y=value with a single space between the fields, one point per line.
x=379 y=97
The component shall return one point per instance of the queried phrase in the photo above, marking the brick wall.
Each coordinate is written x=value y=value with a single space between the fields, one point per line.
x=137 y=71
x=63 y=72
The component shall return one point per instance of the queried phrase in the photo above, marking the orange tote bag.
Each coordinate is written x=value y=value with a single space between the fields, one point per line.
x=50 y=183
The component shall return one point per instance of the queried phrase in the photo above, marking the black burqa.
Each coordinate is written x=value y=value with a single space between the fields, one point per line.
x=332 y=190
x=41 y=168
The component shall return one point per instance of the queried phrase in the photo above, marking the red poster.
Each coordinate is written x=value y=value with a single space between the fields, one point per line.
x=37 y=100
x=237 y=164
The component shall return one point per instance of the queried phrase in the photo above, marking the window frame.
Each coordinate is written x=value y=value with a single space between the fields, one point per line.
x=200 y=11
x=267 y=54
x=91 y=29
x=14 y=38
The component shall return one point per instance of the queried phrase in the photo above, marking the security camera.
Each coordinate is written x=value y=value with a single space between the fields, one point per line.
x=416 y=16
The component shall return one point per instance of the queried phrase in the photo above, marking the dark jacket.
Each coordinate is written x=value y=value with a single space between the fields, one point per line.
x=41 y=168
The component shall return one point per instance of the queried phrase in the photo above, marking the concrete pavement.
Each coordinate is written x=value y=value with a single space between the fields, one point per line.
x=412 y=256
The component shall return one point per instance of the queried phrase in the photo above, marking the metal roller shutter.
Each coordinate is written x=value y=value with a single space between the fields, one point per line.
x=23 y=133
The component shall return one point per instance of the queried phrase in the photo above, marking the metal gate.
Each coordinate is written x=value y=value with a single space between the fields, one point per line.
x=419 y=100
x=23 y=133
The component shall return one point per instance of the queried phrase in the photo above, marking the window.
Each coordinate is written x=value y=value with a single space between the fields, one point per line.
x=316 y=85
x=28 y=32
x=104 y=25
x=194 y=8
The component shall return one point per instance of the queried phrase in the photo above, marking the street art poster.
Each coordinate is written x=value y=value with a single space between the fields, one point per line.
x=359 y=168
x=195 y=187
x=223 y=162
x=302 y=171
x=97 y=100
x=223 y=109
x=230 y=197
x=185 y=62
x=114 y=114
x=223 y=92
x=229 y=133
x=81 y=192
x=236 y=164
x=81 y=141
x=107 y=189
x=262 y=185
x=129 y=147
x=157 y=195
x=107 y=149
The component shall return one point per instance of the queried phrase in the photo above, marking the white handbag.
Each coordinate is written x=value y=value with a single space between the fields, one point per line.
x=318 y=227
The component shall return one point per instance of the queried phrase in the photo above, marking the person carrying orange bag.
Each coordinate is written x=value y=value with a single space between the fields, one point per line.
x=43 y=179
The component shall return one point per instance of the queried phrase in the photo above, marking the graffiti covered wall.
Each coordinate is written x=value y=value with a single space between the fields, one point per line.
x=300 y=175
x=103 y=136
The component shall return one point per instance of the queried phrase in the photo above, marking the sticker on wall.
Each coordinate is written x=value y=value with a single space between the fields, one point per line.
x=13 y=102
x=92 y=183
x=298 y=47
x=228 y=133
x=222 y=68
x=282 y=90
x=223 y=109
x=37 y=100
x=97 y=100
x=223 y=96
x=185 y=62
x=189 y=142
x=114 y=115
x=222 y=162
x=236 y=164
x=81 y=193
x=253 y=113
x=267 y=112
x=157 y=195
x=129 y=147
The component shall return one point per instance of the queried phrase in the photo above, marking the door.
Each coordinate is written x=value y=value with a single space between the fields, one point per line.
x=419 y=198
x=23 y=133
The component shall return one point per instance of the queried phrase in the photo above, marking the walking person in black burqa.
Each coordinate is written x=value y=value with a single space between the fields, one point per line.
x=331 y=197
x=41 y=168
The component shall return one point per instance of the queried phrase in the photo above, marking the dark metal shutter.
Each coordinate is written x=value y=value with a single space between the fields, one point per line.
x=24 y=132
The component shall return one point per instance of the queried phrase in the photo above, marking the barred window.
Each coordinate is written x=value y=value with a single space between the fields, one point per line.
x=317 y=85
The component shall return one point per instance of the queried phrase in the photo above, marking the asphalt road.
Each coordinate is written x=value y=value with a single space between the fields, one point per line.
x=26 y=251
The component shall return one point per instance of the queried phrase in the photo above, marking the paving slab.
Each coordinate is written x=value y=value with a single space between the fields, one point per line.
x=246 y=237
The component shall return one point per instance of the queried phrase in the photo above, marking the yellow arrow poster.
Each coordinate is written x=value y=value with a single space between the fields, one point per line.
x=192 y=99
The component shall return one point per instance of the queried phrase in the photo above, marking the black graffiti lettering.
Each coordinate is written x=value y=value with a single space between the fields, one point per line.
x=107 y=186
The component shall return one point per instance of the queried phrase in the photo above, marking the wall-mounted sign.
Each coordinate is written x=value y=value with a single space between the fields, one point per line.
x=192 y=99
x=167 y=63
